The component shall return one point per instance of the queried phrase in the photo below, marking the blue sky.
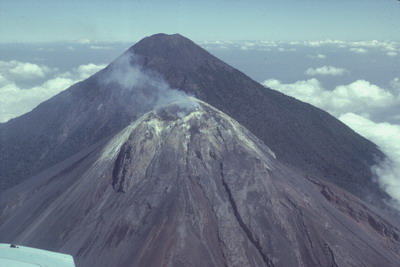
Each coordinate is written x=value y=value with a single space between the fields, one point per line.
x=119 y=20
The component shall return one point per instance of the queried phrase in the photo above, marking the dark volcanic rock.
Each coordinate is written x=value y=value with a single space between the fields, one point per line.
x=301 y=135
x=193 y=189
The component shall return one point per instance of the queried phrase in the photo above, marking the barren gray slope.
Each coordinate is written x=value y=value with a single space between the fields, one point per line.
x=198 y=190
x=301 y=135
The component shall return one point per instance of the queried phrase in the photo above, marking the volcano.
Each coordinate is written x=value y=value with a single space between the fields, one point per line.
x=171 y=157
x=192 y=187
x=305 y=137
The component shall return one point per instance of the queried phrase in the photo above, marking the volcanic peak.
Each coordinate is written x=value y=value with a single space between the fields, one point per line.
x=175 y=55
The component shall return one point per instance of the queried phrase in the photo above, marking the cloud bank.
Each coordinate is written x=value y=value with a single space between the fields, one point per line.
x=387 y=137
x=390 y=48
x=358 y=50
x=98 y=47
x=318 y=56
x=16 y=100
x=16 y=70
x=360 y=97
x=357 y=105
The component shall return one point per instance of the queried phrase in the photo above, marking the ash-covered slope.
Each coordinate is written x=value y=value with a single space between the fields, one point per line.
x=193 y=188
x=301 y=135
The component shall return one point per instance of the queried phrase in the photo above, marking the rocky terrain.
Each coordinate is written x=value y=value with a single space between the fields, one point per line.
x=192 y=187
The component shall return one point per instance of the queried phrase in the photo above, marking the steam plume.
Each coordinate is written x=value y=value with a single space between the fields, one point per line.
x=148 y=87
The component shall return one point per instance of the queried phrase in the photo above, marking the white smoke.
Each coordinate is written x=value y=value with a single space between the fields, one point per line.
x=148 y=87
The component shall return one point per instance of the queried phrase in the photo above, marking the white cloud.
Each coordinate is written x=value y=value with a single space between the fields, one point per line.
x=269 y=43
x=243 y=45
x=259 y=45
x=318 y=43
x=45 y=49
x=363 y=96
x=326 y=70
x=220 y=44
x=27 y=71
x=318 y=56
x=3 y=80
x=360 y=47
x=354 y=46
x=16 y=101
x=97 y=47
x=16 y=70
x=83 y=41
x=387 y=137
x=355 y=104
x=358 y=50
x=383 y=45
x=360 y=96
x=89 y=69
x=395 y=84
x=315 y=43
x=282 y=49
x=82 y=72
x=303 y=90
x=389 y=47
